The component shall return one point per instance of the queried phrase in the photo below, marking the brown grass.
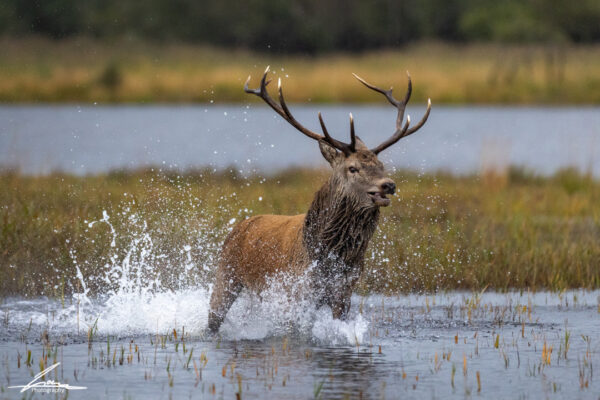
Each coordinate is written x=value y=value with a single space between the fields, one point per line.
x=443 y=232
x=83 y=70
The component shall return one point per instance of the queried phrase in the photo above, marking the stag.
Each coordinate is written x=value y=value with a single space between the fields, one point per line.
x=330 y=240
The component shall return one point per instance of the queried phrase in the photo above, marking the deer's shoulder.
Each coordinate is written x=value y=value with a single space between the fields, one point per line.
x=271 y=222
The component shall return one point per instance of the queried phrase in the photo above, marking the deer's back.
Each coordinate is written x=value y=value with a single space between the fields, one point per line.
x=264 y=245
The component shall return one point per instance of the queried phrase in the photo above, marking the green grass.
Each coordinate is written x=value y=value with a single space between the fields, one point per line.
x=513 y=230
x=84 y=70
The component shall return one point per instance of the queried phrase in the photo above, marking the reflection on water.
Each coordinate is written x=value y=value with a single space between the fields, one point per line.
x=91 y=139
x=452 y=345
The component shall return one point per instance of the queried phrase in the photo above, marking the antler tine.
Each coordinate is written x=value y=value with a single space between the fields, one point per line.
x=402 y=106
x=283 y=110
x=386 y=93
x=352 y=134
x=290 y=118
x=421 y=122
x=345 y=148
x=246 y=88
x=324 y=128
x=263 y=94
x=401 y=131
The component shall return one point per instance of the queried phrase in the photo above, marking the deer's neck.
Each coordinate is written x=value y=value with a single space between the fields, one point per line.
x=337 y=226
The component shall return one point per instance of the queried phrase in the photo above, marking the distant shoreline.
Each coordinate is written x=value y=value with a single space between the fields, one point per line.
x=82 y=70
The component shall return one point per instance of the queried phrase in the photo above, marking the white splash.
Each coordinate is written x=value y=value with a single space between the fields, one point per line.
x=286 y=307
x=147 y=292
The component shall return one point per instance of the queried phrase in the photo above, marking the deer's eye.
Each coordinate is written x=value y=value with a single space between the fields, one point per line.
x=353 y=170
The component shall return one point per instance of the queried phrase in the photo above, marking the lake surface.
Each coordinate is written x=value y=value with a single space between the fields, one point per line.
x=92 y=139
x=452 y=345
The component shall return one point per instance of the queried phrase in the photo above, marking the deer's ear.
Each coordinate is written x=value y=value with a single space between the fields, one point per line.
x=330 y=153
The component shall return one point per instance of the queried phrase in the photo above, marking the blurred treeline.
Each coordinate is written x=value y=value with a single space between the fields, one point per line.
x=309 y=26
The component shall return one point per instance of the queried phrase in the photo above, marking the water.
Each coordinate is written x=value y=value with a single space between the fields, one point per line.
x=143 y=333
x=92 y=139
x=405 y=346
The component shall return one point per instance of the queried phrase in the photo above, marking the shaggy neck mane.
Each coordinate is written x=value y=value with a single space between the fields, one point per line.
x=336 y=225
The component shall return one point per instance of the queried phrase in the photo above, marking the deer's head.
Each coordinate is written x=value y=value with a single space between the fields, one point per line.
x=357 y=171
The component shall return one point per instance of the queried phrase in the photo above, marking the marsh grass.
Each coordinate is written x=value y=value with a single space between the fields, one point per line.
x=441 y=232
x=85 y=70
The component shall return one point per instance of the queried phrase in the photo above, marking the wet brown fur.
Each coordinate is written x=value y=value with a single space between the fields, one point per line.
x=328 y=242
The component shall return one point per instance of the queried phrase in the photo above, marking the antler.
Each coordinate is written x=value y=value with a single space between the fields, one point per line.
x=283 y=110
x=401 y=131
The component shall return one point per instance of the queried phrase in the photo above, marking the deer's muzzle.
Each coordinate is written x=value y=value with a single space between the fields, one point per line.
x=378 y=194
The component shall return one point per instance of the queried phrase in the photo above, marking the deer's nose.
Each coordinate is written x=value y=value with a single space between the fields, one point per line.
x=388 y=187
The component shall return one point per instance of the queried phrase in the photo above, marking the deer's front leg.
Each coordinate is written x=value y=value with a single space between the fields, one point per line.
x=226 y=290
x=341 y=303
